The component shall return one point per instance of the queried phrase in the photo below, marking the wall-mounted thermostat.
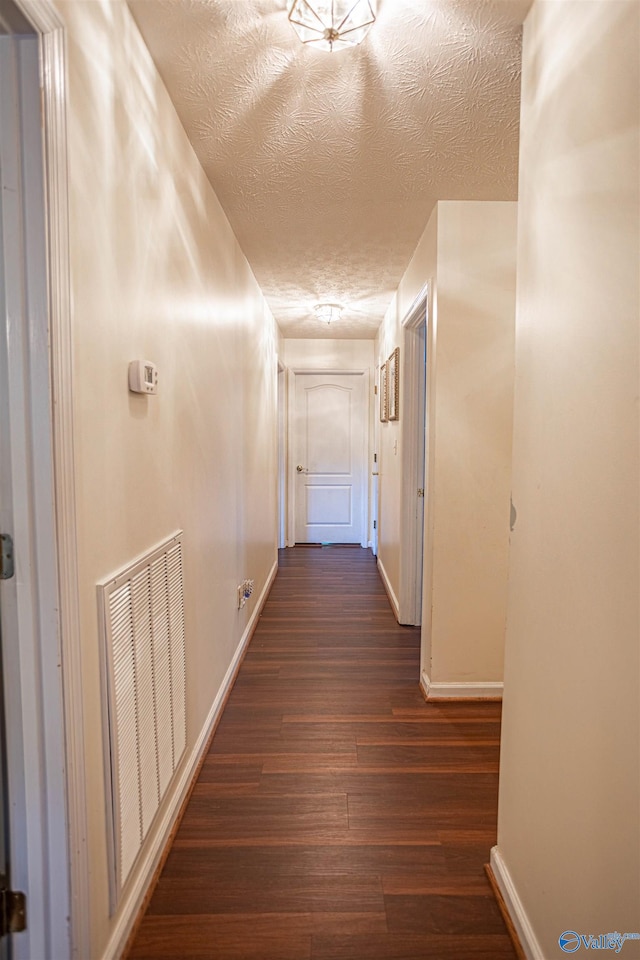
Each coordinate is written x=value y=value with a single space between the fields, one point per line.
x=143 y=376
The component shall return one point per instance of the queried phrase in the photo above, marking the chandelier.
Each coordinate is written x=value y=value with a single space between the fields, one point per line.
x=331 y=24
x=327 y=312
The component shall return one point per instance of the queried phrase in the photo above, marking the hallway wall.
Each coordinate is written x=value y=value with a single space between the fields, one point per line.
x=157 y=274
x=473 y=399
x=422 y=267
x=300 y=354
x=468 y=252
x=568 y=831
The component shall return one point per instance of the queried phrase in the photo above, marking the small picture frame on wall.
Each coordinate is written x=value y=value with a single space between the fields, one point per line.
x=384 y=393
x=393 y=385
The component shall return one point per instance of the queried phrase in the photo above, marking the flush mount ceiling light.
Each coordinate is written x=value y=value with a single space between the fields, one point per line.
x=331 y=24
x=328 y=312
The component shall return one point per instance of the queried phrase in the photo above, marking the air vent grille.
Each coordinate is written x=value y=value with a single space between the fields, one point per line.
x=142 y=613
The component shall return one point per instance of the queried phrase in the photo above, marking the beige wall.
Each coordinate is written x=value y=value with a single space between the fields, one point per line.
x=421 y=269
x=468 y=253
x=157 y=274
x=472 y=446
x=568 y=813
x=328 y=354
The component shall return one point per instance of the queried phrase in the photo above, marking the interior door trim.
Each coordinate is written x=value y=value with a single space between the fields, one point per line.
x=48 y=24
x=410 y=598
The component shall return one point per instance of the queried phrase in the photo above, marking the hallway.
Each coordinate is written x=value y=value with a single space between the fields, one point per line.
x=337 y=816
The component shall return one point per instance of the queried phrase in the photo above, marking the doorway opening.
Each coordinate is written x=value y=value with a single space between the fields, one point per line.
x=39 y=622
x=282 y=455
x=414 y=459
x=328 y=444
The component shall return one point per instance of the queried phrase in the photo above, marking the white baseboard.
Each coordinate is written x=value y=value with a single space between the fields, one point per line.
x=134 y=898
x=393 y=600
x=487 y=690
x=515 y=907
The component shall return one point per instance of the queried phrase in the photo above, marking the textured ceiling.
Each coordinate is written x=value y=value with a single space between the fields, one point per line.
x=328 y=165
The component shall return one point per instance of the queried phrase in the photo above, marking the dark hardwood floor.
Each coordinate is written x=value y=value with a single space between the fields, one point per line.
x=337 y=815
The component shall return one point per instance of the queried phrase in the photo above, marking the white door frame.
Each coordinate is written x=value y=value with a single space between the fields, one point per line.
x=49 y=638
x=374 y=466
x=413 y=545
x=282 y=454
x=291 y=467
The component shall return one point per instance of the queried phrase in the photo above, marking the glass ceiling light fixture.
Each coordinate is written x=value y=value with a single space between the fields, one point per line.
x=328 y=312
x=331 y=24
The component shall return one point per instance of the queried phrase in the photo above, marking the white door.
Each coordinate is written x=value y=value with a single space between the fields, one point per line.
x=329 y=453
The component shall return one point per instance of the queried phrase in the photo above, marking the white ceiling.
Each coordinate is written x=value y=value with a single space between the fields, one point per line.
x=328 y=165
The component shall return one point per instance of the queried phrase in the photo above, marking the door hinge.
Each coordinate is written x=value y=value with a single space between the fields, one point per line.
x=375 y=524
x=6 y=556
x=375 y=458
x=421 y=491
x=375 y=389
x=13 y=912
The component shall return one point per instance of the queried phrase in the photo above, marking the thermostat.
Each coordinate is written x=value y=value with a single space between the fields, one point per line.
x=143 y=376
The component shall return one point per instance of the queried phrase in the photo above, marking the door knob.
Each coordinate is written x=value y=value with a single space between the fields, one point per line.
x=299 y=469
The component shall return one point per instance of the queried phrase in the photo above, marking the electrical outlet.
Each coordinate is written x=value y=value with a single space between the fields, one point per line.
x=244 y=592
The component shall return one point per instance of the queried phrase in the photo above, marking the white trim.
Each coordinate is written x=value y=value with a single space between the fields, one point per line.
x=290 y=532
x=410 y=599
x=45 y=20
x=29 y=629
x=393 y=600
x=414 y=314
x=61 y=741
x=473 y=690
x=374 y=487
x=330 y=371
x=515 y=907
x=132 y=901
x=366 y=458
x=281 y=395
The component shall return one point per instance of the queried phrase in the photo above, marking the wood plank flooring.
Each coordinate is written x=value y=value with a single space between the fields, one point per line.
x=337 y=815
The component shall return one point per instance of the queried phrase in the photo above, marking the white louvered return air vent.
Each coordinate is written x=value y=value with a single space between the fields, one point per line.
x=141 y=610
